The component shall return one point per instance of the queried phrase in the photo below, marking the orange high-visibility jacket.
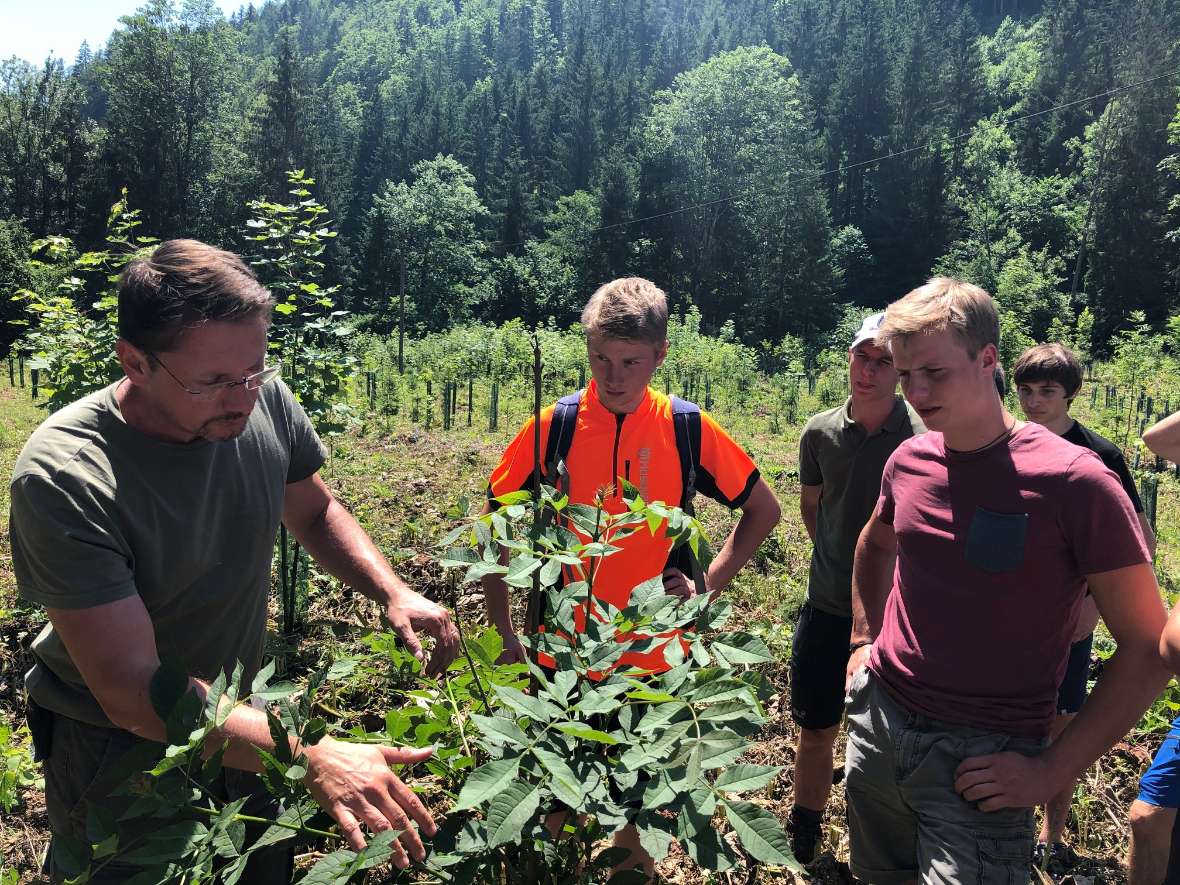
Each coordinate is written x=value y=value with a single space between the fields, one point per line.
x=641 y=448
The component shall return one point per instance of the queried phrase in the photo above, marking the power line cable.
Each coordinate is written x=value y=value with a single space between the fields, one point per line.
x=893 y=155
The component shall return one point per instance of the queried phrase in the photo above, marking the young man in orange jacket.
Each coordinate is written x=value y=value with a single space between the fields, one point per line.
x=623 y=430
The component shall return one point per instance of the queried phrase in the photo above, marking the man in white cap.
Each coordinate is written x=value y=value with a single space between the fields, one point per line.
x=842 y=453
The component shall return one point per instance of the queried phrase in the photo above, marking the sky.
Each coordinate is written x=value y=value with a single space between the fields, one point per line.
x=32 y=29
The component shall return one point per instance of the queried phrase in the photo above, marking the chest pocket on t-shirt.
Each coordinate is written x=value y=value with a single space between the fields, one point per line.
x=996 y=541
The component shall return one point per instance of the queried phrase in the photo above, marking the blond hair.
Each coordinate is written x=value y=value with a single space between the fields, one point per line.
x=630 y=308
x=944 y=303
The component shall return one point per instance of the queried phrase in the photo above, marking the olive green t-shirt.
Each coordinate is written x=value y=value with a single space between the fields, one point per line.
x=100 y=512
x=837 y=453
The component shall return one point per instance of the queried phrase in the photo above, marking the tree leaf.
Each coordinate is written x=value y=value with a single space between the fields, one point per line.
x=520 y=570
x=213 y=697
x=761 y=834
x=597 y=701
x=482 y=569
x=535 y=708
x=168 y=685
x=294 y=816
x=706 y=848
x=282 y=740
x=509 y=812
x=550 y=572
x=562 y=780
x=561 y=686
x=740 y=648
x=741 y=778
x=486 y=781
x=716 y=690
x=655 y=835
x=169 y=843
x=721 y=748
x=332 y=869
x=500 y=730
x=730 y=710
x=586 y=733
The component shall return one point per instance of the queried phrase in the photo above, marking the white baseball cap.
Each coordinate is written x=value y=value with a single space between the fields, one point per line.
x=868 y=329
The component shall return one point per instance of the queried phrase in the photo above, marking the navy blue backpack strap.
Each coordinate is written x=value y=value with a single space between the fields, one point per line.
x=561 y=436
x=686 y=419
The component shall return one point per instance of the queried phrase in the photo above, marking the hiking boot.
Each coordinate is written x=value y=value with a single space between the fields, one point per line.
x=806 y=833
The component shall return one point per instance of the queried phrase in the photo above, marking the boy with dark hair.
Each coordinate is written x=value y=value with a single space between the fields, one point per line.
x=1048 y=378
x=623 y=431
x=841 y=455
x=986 y=530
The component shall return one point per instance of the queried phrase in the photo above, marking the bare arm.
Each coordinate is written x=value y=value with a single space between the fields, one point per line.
x=760 y=514
x=337 y=542
x=1129 y=601
x=872 y=579
x=1163 y=438
x=809 y=507
x=350 y=781
x=1170 y=642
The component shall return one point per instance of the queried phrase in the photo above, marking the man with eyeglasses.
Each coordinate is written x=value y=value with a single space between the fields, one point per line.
x=144 y=519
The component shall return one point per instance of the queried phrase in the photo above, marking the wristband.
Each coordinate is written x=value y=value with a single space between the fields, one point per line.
x=861 y=644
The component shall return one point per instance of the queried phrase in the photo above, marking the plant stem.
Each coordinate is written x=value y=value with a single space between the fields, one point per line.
x=252 y=819
x=458 y=716
x=466 y=652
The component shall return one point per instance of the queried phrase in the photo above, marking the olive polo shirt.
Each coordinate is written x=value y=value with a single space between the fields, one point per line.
x=837 y=453
x=101 y=511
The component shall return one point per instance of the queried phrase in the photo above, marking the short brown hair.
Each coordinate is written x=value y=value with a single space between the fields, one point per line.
x=944 y=303
x=630 y=308
x=181 y=285
x=1049 y=362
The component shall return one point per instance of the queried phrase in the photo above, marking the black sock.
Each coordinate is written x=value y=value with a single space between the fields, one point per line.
x=806 y=818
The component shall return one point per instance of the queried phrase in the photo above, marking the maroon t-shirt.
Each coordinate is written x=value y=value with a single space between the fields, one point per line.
x=992 y=548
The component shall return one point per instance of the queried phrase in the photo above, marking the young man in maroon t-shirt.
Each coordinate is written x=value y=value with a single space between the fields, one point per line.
x=986 y=530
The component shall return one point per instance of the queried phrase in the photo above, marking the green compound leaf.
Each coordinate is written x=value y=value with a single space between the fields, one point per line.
x=535 y=708
x=509 y=812
x=283 y=827
x=598 y=701
x=486 y=781
x=585 y=732
x=167 y=843
x=168 y=684
x=520 y=570
x=721 y=749
x=499 y=730
x=761 y=834
x=655 y=835
x=727 y=711
x=741 y=778
x=706 y=849
x=333 y=868
x=740 y=648
x=562 y=780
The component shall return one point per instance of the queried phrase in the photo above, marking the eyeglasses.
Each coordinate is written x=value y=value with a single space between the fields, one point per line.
x=250 y=382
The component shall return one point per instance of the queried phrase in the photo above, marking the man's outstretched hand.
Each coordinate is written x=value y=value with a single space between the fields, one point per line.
x=411 y=613
x=353 y=783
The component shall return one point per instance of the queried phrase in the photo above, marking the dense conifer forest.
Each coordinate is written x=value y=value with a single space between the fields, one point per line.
x=769 y=161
